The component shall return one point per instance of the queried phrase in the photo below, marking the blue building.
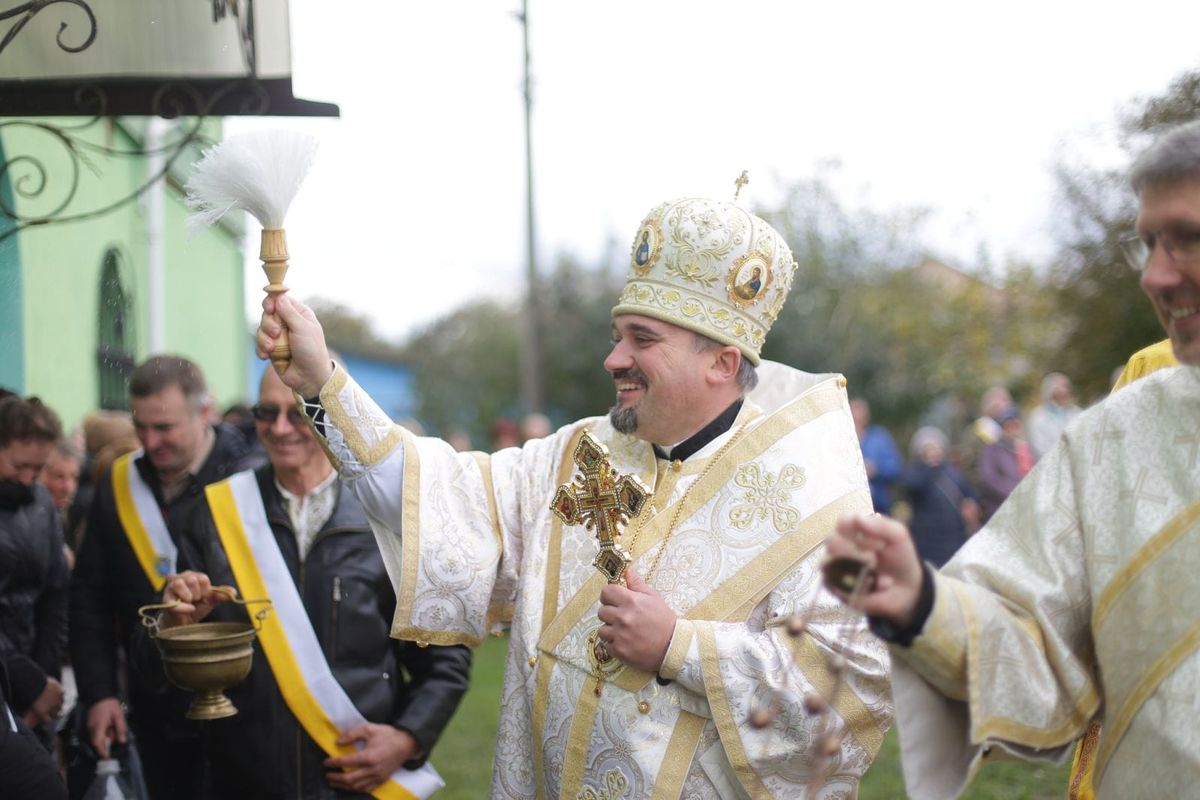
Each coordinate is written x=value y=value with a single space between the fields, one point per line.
x=389 y=384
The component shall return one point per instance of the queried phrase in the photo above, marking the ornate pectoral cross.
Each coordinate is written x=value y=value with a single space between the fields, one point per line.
x=602 y=500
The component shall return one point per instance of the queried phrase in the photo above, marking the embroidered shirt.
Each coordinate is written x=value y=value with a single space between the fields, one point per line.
x=308 y=513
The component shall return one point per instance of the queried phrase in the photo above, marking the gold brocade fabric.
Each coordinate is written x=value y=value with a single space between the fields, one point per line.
x=1145 y=361
x=1095 y=556
x=480 y=548
x=1079 y=786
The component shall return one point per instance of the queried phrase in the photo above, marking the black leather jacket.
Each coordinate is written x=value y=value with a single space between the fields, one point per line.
x=27 y=771
x=33 y=592
x=263 y=752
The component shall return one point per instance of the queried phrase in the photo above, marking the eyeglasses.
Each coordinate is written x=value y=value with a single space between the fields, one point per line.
x=266 y=412
x=1181 y=247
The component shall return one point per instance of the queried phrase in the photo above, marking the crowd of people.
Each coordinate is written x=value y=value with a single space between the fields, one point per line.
x=951 y=486
x=704 y=651
x=92 y=533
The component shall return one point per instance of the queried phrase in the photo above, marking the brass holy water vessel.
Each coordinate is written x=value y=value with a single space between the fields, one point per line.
x=206 y=657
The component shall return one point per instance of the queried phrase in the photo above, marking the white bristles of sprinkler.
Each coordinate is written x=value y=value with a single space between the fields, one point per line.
x=258 y=171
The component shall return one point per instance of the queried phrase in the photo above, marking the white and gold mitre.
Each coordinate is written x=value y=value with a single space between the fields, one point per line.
x=711 y=267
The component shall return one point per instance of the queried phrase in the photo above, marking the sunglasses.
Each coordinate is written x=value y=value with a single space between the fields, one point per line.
x=269 y=413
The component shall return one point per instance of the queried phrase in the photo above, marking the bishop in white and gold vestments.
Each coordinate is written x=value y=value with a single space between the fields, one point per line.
x=736 y=531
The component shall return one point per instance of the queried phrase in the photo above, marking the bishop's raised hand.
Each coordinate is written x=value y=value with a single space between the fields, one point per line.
x=310 y=367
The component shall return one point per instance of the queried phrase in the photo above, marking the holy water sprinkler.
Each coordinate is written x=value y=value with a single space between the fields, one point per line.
x=259 y=172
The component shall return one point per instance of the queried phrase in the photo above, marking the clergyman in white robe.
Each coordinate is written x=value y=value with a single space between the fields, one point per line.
x=470 y=543
x=1078 y=600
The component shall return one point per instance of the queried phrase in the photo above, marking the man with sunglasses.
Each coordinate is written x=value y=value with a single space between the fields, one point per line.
x=296 y=528
x=1077 y=602
x=128 y=551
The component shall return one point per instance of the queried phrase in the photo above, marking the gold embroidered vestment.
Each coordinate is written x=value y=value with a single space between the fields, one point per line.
x=1095 y=555
x=471 y=544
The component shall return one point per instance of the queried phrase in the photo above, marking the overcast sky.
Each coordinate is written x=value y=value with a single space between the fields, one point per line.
x=416 y=201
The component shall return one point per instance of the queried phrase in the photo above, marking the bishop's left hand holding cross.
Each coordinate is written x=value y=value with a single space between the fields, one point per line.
x=603 y=500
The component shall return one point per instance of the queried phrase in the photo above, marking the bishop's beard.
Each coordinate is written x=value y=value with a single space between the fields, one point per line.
x=624 y=420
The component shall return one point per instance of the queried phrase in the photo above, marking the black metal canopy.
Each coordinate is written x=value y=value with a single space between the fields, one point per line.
x=157 y=97
x=118 y=63
x=164 y=58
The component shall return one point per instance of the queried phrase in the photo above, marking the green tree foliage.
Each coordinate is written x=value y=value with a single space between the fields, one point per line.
x=465 y=369
x=1031 y=333
x=834 y=319
x=1105 y=314
x=577 y=336
x=904 y=329
x=465 y=365
x=351 y=332
x=1178 y=105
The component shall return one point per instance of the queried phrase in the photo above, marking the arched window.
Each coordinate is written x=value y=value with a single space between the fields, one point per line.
x=114 y=351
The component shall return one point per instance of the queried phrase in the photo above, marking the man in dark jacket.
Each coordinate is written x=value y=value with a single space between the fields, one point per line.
x=128 y=551
x=318 y=536
x=33 y=565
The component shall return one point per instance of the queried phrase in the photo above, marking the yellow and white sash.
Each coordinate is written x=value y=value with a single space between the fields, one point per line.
x=312 y=694
x=143 y=521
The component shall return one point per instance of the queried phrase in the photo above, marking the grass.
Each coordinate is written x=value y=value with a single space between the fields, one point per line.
x=464 y=755
x=1006 y=780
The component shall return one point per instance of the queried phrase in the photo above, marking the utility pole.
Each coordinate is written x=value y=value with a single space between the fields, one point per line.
x=531 y=345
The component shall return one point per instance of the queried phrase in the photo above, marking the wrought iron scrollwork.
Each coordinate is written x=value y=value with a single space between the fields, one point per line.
x=47 y=181
x=30 y=178
x=27 y=11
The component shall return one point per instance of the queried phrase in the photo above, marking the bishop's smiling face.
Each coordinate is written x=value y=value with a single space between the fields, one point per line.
x=659 y=376
x=1172 y=282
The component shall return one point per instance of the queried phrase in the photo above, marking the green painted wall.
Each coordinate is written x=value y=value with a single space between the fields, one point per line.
x=12 y=321
x=206 y=318
x=60 y=280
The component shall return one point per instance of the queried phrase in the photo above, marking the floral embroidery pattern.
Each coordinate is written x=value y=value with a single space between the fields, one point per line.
x=615 y=785
x=700 y=261
x=767 y=494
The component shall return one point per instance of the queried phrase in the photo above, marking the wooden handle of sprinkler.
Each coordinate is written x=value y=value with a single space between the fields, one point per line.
x=274 y=255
